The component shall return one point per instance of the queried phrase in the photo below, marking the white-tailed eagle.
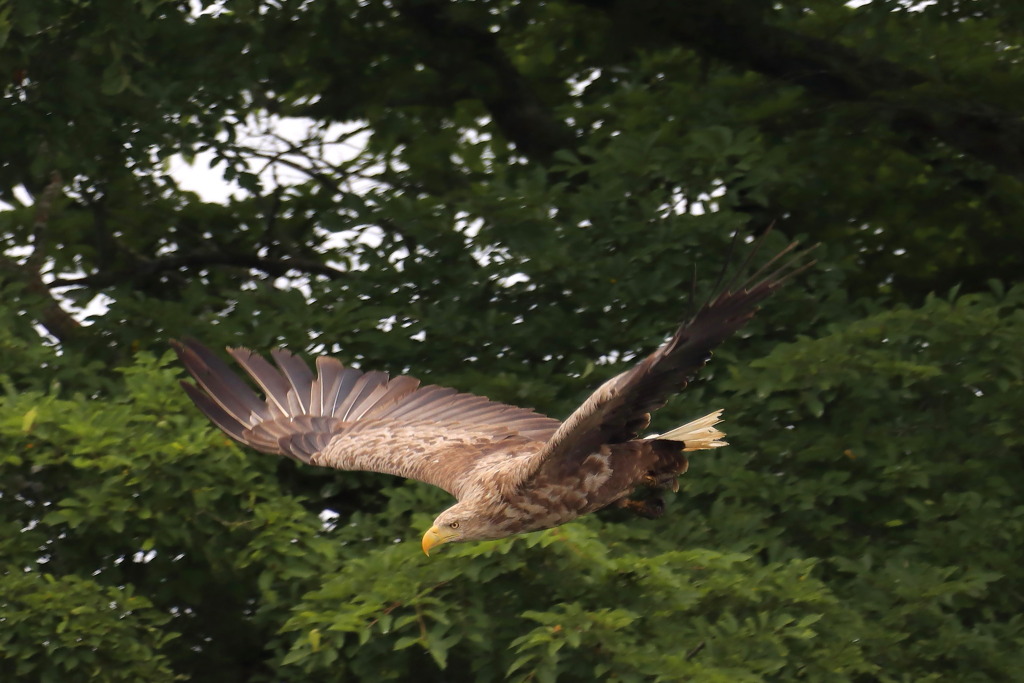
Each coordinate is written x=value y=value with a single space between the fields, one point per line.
x=511 y=470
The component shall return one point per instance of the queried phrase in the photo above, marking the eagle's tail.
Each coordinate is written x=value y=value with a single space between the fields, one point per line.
x=698 y=435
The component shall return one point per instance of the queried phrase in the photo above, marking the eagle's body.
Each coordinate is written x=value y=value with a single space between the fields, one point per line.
x=605 y=477
x=511 y=469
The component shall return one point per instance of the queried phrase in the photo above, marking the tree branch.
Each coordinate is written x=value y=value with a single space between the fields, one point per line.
x=518 y=112
x=146 y=269
x=50 y=315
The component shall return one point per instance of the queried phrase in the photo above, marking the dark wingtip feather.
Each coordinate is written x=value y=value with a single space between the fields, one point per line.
x=273 y=383
x=214 y=412
x=219 y=382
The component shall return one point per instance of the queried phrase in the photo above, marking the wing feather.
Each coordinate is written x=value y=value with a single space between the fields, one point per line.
x=372 y=386
x=398 y=388
x=214 y=411
x=345 y=384
x=348 y=419
x=227 y=390
x=422 y=400
x=272 y=382
x=364 y=387
x=298 y=375
x=620 y=408
x=383 y=395
x=464 y=407
x=330 y=373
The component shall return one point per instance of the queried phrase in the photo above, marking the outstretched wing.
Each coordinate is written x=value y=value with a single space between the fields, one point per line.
x=349 y=419
x=621 y=407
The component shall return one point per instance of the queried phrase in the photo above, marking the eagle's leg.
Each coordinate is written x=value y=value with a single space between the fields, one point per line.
x=651 y=508
x=662 y=480
x=671 y=463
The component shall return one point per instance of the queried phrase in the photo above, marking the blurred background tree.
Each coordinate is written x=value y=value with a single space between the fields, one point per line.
x=510 y=198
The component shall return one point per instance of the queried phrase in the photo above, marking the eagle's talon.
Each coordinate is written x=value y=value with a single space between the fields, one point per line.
x=662 y=481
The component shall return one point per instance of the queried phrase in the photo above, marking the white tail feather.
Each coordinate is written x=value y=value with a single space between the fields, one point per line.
x=697 y=435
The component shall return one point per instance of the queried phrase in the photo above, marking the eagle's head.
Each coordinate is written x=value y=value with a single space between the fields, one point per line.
x=464 y=521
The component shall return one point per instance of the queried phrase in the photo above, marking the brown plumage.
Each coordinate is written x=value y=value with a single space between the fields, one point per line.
x=511 y=469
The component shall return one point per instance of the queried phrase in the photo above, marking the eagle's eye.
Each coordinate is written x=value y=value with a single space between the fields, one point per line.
x=454 y=525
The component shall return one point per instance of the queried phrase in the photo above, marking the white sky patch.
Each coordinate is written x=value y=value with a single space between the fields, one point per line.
x=513 y=279
x=22 y=195
x=213 y=9
x=613 y=357
x=282 y=151
x=203 y=177
x=579 y=85
x=908 y=6
x=705 y=202
x=467 y=225
x=329 y=519
x=286 y=151
x=98 y=305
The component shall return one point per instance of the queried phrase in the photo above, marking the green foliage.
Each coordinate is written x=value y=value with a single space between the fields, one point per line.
x=136 y=492
x=57 y=629
x=902 y=468
x=524 y=192
x=609 y=613
x=848 y=542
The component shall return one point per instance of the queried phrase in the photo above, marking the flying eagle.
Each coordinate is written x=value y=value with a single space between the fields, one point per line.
x=511 y=470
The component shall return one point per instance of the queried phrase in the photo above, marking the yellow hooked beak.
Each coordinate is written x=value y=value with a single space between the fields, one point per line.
x=435 y=537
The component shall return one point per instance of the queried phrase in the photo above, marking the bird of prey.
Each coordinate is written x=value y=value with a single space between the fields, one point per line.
x=510 y=469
